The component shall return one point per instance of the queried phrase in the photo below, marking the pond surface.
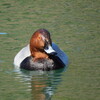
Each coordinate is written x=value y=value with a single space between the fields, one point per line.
x=41 y=84
x=74 y=26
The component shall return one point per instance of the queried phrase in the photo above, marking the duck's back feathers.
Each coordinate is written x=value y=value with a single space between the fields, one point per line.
x=21 y=55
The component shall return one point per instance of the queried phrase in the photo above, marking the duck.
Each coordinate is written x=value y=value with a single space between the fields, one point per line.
x=41 y=54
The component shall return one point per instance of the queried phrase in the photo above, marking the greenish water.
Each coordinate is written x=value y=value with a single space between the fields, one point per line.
x=74 y=26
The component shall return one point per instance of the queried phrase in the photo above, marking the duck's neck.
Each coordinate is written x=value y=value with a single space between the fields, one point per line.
x=39 y=55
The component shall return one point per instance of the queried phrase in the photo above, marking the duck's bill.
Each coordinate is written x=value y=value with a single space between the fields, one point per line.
x=50 y=50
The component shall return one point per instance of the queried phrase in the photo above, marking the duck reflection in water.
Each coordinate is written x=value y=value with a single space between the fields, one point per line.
x=43 y=83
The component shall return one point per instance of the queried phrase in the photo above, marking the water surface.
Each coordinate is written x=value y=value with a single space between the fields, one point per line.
x=74 y=26
x=41 y=84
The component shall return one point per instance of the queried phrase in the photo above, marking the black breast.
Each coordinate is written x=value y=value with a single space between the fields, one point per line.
x=42 y=64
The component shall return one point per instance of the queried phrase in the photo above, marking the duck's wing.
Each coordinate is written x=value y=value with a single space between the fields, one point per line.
x=21 y=55
x=60 y=54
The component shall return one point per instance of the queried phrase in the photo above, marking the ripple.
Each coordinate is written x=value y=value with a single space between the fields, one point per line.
x=42 y=84
x=3 y=33
x=1 y=61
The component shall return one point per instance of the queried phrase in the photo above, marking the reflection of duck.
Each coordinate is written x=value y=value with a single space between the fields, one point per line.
x=44 y=86
x=41 y=84
x=41 y=53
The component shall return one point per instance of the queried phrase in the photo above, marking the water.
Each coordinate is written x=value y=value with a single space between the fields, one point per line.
x=3 y=33
x=41 y=84
x=74 y=26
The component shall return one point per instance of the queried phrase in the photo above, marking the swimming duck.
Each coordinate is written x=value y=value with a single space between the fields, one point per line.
x=41 y=53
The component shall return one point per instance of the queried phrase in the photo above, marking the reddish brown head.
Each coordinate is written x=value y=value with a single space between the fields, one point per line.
x=40 y=40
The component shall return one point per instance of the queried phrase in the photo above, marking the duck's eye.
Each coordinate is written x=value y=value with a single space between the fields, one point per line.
x=39 y=37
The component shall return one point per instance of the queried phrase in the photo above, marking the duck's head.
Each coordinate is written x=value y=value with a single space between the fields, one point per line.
x=41 y=44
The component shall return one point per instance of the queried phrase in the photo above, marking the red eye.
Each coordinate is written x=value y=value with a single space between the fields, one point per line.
x=39 y=37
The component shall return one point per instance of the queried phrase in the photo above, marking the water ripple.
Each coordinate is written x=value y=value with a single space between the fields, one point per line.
x=3 y=33
x=42 y=84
